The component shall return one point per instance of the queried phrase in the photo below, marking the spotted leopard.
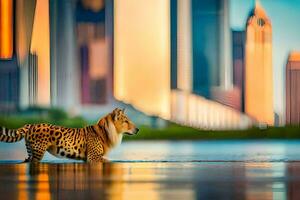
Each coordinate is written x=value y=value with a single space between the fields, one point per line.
x=89 y=144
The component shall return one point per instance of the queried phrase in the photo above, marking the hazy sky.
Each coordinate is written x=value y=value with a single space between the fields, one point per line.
x=285 y=18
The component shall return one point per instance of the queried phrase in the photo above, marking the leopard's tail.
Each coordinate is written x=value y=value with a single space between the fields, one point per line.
x=13 y=135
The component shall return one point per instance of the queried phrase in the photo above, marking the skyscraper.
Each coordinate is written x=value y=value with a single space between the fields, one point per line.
x=9 y=71
x=142 y=55
x=25 y=13
x=258 y=68
x=16 y=25
x=33 y=78
x=6 y=29
x=238 y=63
x=210 y=47
x=201 y=70
x=94 y=39
x=293 y=89
x=9 y=85
x=40 y=45
x=63 y=66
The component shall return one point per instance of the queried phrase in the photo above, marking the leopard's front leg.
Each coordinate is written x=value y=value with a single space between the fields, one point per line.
x=95 y=151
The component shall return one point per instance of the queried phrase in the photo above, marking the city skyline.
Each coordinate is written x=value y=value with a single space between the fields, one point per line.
x=82 y=61
x=284 y=16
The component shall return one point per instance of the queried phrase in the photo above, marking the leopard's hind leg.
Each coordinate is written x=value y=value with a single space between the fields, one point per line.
x=29 y=152
x=38 y=150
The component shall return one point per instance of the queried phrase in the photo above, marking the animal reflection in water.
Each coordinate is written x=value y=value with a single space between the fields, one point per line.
x=61 y=181
x=90 y=143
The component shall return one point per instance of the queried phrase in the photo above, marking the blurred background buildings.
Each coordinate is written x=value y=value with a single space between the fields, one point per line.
x=258 y=67
x=178 y=60
x=293 y=89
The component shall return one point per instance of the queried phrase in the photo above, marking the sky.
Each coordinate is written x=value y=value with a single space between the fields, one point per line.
x=285 y=19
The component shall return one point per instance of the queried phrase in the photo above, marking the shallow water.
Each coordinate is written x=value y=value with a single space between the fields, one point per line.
x=160 y=170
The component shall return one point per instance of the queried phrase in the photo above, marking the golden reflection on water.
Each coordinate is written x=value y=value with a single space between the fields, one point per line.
x=43 y=187
x=141 y=181
x=255 y=191
x=84 y=181
x=150 y=181
x=22 y=178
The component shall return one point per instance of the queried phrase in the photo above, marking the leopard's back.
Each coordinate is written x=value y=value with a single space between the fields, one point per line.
x=57 y=140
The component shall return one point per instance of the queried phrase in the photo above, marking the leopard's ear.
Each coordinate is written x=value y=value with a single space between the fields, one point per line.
x=115 y=113
x=116 y=110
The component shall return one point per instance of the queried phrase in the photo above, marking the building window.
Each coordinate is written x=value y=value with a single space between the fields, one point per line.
x=260 y=22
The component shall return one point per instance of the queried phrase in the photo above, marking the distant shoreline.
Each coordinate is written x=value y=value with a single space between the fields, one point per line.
x=170 y=132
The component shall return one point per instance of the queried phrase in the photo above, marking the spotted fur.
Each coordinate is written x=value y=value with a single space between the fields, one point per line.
x=90 y=143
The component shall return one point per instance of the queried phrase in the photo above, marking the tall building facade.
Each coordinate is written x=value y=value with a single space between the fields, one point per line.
x=9 y=70
x=258 y=68
x=33 y=79
x=40 y=46
x=63 y=63
x=25 y=13
x=142 y=55
x=210 y=45
x=32 y=42
x=201 y=70
x=6 y=29
x=238 y=64
x=94 y=25
x=201 y=50
x=16 y=26
x=293 y=89
x=9 y=85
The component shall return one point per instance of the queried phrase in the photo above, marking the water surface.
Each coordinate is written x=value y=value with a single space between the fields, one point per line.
x=160 y=170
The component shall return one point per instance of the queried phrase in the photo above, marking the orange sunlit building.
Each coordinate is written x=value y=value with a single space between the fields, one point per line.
x=24 y=53
x=258 y=68
x=142 y=55
x=40 y=45
x=6 y=29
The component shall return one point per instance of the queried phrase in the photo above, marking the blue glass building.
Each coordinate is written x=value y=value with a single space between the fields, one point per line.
x=210 y=45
